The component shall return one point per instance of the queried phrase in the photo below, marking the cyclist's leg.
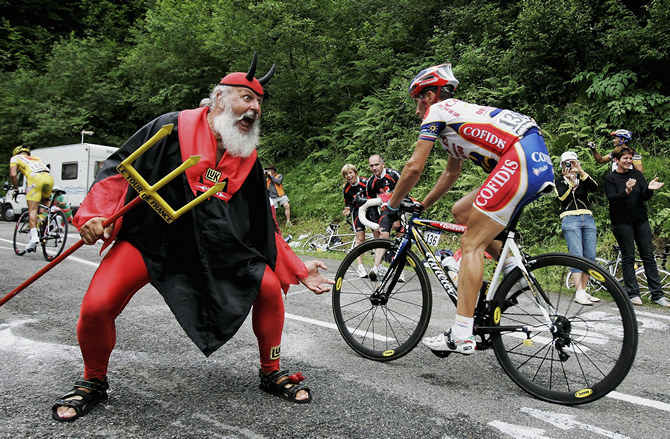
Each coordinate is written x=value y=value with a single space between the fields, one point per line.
x=481 y=232
x=359 y=230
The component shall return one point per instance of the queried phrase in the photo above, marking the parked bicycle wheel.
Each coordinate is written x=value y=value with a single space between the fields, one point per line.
x=583 y=352
x=591 y=287
x=21 y=234
x=317 y=243
x=55 y=235
x=382 y=320
x=664 y=277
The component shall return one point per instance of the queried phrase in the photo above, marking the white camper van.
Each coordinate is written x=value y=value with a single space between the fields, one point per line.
x=73 y=168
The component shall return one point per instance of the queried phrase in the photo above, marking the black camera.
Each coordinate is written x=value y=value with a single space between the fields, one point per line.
x=568 y=164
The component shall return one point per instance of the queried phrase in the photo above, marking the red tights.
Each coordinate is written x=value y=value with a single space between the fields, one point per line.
x=122 y=273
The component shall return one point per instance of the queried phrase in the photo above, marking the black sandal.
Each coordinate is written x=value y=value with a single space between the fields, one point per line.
x=97 y=393
x=287 y=388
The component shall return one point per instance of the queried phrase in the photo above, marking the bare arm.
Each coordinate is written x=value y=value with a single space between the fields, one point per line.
x=14 y=176
x=445 y=182
x=599 y=158
x=411 y=172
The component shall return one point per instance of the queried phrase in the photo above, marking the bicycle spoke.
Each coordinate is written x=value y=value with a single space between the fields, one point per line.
x=377 y=322
x=582 y=352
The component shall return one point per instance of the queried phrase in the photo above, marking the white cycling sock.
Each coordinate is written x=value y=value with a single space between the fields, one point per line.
x=462 y=327
x=33 y=235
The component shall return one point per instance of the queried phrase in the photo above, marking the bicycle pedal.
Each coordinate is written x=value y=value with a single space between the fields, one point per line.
x=441 y=354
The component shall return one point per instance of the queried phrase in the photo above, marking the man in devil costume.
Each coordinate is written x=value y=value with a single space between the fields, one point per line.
x=212 y=264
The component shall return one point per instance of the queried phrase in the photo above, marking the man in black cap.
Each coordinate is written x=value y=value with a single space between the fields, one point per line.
x=211 y=264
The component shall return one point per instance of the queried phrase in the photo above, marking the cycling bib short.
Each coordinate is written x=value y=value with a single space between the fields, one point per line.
x=39 y=180
x=505 y=144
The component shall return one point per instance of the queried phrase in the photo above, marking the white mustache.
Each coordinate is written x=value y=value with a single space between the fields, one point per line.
x=249 y=114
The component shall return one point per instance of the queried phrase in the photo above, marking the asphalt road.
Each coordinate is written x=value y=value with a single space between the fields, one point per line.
x=163 y=387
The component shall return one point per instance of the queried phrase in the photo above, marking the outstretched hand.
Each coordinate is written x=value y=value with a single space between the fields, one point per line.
x=655 y=184
x=315 y=281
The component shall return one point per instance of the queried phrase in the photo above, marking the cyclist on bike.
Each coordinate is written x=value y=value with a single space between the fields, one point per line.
x=506 y=145
x=381 y=184
x=39 y=186
x=354 y=189
x=620 y=138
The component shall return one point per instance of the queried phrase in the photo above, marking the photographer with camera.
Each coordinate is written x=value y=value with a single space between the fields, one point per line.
x=579 y=228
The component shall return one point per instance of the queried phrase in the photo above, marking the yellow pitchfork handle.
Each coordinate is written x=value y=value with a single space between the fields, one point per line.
x=147 y=193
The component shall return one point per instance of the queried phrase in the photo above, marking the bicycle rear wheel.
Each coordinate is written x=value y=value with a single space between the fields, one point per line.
x=55 y=235
x=317 y=243
x=382 y=320
x=21 y=234
x=575 y=354
x=664 y=277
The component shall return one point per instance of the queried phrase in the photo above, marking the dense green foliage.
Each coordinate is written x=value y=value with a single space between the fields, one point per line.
x=580 y=68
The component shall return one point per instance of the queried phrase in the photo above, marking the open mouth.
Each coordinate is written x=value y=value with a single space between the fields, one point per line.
x=247 y=120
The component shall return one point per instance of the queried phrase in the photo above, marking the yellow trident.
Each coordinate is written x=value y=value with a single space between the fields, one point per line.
x=149 y=193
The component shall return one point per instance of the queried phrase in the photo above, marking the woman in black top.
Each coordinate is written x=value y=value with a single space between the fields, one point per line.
x=627 y=190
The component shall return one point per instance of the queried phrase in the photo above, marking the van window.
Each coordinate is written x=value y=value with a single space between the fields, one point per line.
x=69 y=171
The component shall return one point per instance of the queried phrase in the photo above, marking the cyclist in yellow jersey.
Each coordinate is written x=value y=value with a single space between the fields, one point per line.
x=40 y=183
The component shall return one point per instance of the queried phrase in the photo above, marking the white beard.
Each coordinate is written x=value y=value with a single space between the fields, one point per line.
x=237 y=143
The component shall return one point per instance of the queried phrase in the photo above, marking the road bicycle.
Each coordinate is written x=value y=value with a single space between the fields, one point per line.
x=51 y=229
x=613 y=266
x=550 y=346
x=332 y=241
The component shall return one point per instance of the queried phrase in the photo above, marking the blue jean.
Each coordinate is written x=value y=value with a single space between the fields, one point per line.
x=580 y=234
x=627 y=235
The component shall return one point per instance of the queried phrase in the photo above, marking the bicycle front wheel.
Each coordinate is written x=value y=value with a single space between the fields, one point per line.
x=663 y=276
x=21 y=234
x=554 y=348
x=55 y=235
x=385 y=319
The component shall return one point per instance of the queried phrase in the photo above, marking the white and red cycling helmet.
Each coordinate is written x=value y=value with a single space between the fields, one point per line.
x=625 y=135
x=436 y=76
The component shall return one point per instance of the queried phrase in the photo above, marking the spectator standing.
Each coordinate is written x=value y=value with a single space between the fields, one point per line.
x=60 y=201
x=353 y=190
x=620 y=138
x=278 y=197
x=573 y=186
x=381 y=184
x=627 y=190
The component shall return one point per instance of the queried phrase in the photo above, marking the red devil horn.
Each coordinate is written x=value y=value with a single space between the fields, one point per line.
x=268 y=75
x=252 y=68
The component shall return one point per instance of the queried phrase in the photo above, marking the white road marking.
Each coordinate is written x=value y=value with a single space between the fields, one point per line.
x=568 y=422
x=640 y=401
x=334 y=326
x=519 y=431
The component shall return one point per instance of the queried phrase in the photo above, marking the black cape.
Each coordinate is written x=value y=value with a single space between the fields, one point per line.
x=207 y=264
